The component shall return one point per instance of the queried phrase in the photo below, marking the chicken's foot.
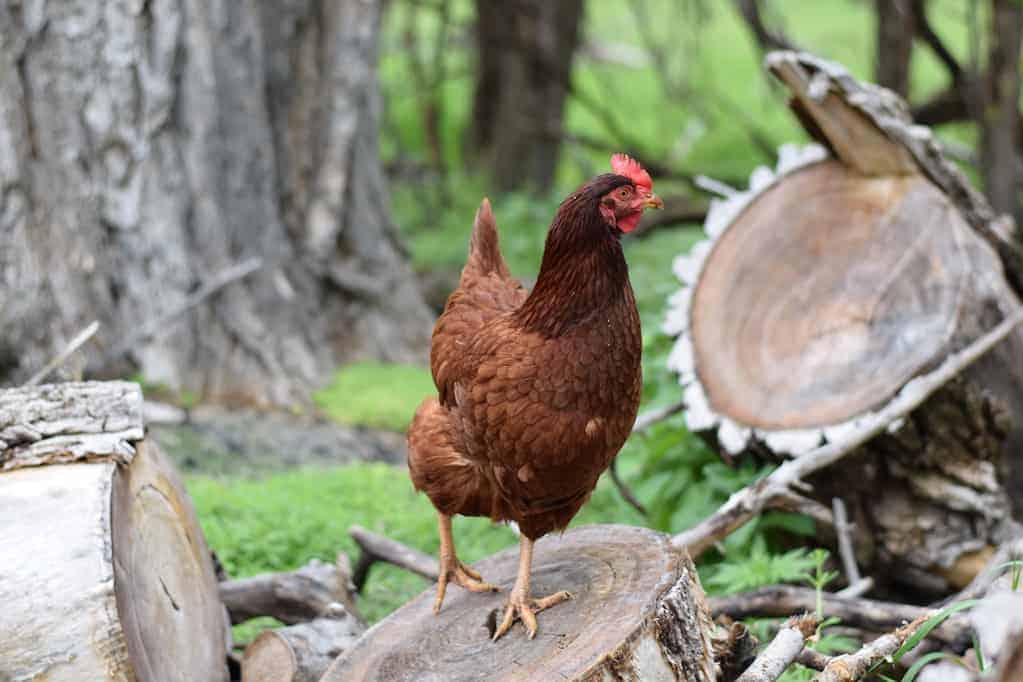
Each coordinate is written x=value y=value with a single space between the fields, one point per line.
x=520 y=604
x=453 y=570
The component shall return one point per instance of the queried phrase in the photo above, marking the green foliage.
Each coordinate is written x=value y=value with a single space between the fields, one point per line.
x=378 y=395
x=761 y=567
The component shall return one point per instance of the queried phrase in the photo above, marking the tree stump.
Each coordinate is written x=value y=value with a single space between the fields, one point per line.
x=106 y=575
x=637 y=612
x=852 y=268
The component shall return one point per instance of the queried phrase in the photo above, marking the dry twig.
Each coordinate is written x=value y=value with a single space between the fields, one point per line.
x=851 y=667
x=782 y=650
x=866 y=614
x=379 y=548
x=62 y=356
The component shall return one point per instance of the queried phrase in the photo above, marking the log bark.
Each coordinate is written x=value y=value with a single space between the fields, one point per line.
x=638 y=612
x=111 y=579
x=865 y=264
x=299 y=653
x=187 y=138
x=313 y=591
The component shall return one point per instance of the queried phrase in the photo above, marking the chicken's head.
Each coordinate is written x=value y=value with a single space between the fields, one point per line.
x=623 y=206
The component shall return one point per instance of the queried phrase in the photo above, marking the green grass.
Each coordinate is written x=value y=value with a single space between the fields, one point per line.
x=280 y=522
x=378 y=395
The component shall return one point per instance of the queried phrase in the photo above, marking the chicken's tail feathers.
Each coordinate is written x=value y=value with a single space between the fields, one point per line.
x=484 y=249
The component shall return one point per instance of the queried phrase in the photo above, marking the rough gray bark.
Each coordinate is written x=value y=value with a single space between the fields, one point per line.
x=147 y=146
x=69 y=422
x=637 y=612
x=525 y=50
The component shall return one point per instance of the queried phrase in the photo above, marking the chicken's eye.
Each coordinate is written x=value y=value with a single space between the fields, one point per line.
x=624 y=193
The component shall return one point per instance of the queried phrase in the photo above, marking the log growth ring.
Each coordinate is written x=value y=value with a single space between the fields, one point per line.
x=825 y=295
x=616 y=575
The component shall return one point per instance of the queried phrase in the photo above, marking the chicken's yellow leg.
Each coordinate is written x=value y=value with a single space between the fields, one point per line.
x=519 y=603
x=453 y=570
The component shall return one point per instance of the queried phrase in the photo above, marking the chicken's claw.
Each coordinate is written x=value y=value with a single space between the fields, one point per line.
x=461 y=575
x=526 y=610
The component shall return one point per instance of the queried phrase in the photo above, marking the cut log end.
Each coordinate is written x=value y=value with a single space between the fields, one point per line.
x=850 y=285
x=637 y=612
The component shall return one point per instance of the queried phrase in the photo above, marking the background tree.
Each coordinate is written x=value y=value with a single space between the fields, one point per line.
x=524 y=51
x=148 y=148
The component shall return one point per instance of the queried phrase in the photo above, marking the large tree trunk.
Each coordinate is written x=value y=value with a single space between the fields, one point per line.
x=525 y=50
x=861 y=270
x=147 y=146
x=106 y=575
x=637 y=613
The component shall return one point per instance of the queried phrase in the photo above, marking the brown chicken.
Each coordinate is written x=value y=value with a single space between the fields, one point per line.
x=537 y=391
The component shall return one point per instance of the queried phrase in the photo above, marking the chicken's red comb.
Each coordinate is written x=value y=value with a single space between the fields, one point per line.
x=623 y=164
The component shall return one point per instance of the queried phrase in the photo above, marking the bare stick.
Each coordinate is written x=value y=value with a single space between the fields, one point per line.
x=782 y=650
x=379 y=548
x=315 y=590
x=850 y=667
x=624 y=490
x=857 y=589
x=62 y=356
x=209 y=287
x=843 y=531
x=658 y=414
x=753 y=499
x=812 y=659
x=865 y=614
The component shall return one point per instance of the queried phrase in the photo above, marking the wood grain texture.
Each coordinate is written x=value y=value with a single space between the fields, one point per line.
x=110 y=579
x=68 y=422
x=637 y=612
x=848 y=287
x=299 y=653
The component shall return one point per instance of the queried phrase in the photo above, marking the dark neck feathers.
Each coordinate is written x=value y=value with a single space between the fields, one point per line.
x=583 y=272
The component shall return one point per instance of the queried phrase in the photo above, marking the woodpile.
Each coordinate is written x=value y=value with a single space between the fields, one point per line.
x=830 y=290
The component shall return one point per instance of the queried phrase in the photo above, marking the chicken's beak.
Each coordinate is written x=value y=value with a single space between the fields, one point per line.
x=653 y=201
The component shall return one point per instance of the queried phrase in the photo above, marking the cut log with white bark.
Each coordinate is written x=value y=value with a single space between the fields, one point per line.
x=106 y=575
x=299 y=653
x=851 y=269
x=637 y=612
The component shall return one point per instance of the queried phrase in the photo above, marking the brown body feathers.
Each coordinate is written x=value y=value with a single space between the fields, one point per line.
x=537 y=391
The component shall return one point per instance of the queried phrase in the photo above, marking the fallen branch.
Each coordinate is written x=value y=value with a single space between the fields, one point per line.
x=379 y=548
x=865 y=614
x=812 y=659
x=851 y=667
x=62 y=356
x=843 y=533
x=315 y=590
x=624 y=490
x=782 y=650
x=753 y=499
